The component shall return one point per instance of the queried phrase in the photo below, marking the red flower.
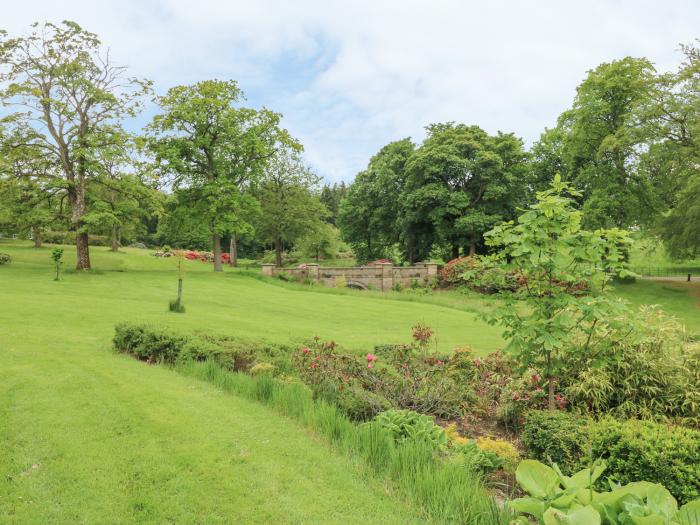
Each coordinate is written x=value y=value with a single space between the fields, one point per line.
x=305 y=350
x=314 y=365
x=535 y=378
x=371 y=357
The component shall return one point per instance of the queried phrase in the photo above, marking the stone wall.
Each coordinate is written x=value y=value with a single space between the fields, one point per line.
x=380 y=277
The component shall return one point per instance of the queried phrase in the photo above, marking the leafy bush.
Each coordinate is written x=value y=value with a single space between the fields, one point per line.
x=503 y=449
x=636 y=450
x=259 y=369
x=476 y=459
x=557 y=499
x=148 y=343
x=53 y=237
x=139 y=245
x=555 y=436
x=409 y=425
x=5 y=258
x=647 y=370
x=360 y=404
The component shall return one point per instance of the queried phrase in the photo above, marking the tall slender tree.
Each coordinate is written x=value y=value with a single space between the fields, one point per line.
x=72 y=100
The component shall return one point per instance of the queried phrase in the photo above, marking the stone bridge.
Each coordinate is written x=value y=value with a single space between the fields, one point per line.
x=381 y=276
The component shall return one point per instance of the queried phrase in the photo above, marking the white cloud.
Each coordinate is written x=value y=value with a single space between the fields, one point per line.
x=352 y=75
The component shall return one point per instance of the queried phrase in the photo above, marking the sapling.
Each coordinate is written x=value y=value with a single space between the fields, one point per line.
x=57 y=256
x=176 y=305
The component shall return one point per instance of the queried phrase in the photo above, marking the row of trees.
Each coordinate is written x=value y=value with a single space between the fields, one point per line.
x=66 y=159
x=630 y=142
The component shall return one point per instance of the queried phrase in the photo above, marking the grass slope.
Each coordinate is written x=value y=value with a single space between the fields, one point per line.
x=91 y=437
x=137 y=286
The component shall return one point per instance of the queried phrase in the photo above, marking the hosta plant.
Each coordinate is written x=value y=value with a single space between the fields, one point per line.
x=555 y=499
x=409 y=425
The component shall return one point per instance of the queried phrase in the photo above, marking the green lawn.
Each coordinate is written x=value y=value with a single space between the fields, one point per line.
x=680 y=299
x=88 y=436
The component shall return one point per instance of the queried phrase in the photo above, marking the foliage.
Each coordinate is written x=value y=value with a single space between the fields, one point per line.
x=556 y=437
x=359 y=404
x=505 y=450
x=213 y=151
x=73 y=100
x=548 y=247
x=477 y=459
x=57 y=258
x=5 y=258
x=646 y=369
x=263 y=369
x=558 y=499
x=368 y=216
x=460 y=183
x=176 y=306
x=410 y=425
x=477 y=274
x=634 y=450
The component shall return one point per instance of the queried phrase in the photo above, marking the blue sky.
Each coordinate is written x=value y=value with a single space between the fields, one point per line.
x=351 y=76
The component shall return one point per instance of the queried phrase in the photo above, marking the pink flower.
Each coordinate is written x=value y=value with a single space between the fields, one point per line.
x=370 y=365
x=306 y=350
x=477 y=362
x=440 y=362
x=371 y=357
x=314 y=365
x=535 y=378
x=538 y=389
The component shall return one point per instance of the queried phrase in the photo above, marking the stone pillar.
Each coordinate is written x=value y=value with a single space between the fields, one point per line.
x=268 y=269
x=387 y=276
x=312 y=271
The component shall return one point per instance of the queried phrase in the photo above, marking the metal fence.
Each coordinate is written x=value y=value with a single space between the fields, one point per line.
x=678 y=271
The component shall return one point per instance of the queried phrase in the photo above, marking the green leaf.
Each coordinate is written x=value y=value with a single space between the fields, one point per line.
x=660 y=501
x=689 y=514
x=536 y=479
x=532 y=506
x=581 y=516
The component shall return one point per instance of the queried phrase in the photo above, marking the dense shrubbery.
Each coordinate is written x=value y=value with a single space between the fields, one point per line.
x=646 y=369
x=5 y=258
x=409 y=425
x=554 y=436
x=154 y=344
x=634 y=450
x=644 y=450
x=473 y=272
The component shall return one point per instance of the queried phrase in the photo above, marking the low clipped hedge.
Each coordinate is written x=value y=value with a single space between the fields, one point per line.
x=665 y=454
x=155 y=344
x=634 y=450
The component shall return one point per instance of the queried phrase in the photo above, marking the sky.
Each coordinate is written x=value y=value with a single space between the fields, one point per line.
x=351 y=76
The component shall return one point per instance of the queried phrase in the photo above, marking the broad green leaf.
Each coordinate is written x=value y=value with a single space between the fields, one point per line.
x=532 y=506
x=689 y=514
x=581 y=516
x=660 y=501
x=536 y=479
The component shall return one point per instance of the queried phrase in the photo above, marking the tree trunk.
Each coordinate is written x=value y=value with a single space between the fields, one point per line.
x=83 y=251
x=472 y=250
x=550 y=388
x=77 y=200
x=36 y=235
x=217 y=252
x=179 y=292
x=278 y=253
x=233 y=251
x=115 y=238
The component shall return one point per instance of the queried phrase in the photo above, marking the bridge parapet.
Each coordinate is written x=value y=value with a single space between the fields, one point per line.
x=383 y=276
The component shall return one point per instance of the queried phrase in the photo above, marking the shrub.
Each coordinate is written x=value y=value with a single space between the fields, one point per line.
x=644 y=450
x=558 y=437
x=360 y=404
x=409 y=425
x=139 y=245
x=476 y=459
x=259 y=369
x=649 y=372
x=503 y=449
x=148 y=343
x=5 y=258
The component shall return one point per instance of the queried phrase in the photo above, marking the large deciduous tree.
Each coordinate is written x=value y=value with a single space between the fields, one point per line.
x=71 y=100
x=602 y=138
x=369 y=214
x=459 y=183
x=290 y=207
x=214 y=151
